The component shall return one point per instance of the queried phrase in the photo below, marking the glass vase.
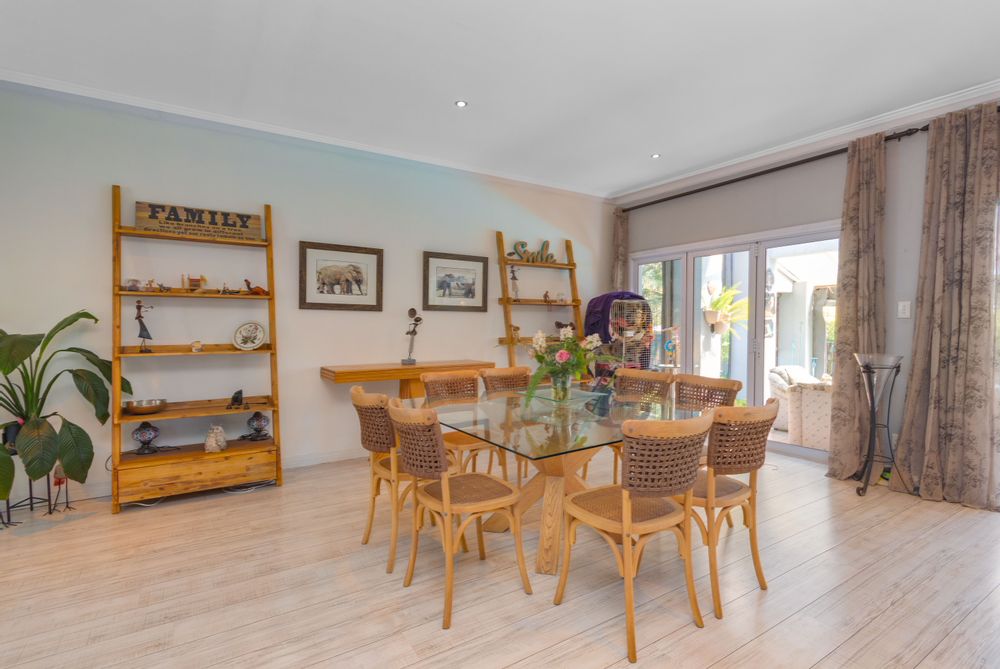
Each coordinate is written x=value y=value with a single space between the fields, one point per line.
x=560 y=387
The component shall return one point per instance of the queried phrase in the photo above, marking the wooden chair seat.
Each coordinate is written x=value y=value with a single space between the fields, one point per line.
x=468 y=491
x=460 y=441
x=602 y=508
x=728 y=491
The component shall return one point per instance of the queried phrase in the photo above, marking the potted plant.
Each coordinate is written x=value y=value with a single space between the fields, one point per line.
x=563 y=360
x=725 y=310
x=25 y=384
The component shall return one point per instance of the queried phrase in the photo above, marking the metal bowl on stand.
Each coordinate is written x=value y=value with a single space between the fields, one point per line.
x=142 y=407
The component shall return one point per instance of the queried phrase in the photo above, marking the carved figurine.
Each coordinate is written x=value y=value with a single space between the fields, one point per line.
x=513 y=283
x=237 y=402
x=254 y=290
x=163 y=289
x=226 y=290
x=215 y=440
x=258 y=424
x=547 y=298
x=144 y=335
x=412 y=333
x=516 y=333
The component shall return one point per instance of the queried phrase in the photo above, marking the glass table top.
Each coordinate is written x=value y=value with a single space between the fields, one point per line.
x=543 y=428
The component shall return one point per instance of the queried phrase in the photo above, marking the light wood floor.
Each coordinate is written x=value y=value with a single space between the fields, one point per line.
x=278 y=577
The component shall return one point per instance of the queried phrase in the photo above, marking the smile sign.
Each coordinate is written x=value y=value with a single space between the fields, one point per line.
x=196 y=222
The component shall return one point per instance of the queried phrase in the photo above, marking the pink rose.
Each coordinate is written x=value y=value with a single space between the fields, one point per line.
x=562 y=355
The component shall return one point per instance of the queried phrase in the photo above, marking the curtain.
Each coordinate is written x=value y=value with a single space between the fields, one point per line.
x=619 y=246
x=949 y=447
x=860 y=301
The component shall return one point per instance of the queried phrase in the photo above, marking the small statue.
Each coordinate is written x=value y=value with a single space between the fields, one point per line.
x=516 y=333
x=144 y=335
x=258 y=424
x=513 y=283
x=150 y=286
x=546 y=298
x=133 y=285
x=226 y=290
x=163 y=289
x=215 y=440
x=236 y=401
x=412 y=333
x=254 y=290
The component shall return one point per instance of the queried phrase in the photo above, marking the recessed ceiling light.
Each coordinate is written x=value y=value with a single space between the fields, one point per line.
x=654 y=156
x=461 y=103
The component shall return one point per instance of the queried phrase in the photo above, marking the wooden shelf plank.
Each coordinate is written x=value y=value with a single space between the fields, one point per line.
x=197 y=409
x=195 y=452
x=543 y=265
x=145 y=293
x=177 y=237
x=527 y=340
x=185 y=349
x=539 y=303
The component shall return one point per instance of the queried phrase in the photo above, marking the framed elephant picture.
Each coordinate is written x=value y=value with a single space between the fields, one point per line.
x=454 y=282
x=336 y=276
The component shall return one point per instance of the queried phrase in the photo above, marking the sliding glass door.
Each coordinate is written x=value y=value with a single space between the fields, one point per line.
x=721 y=331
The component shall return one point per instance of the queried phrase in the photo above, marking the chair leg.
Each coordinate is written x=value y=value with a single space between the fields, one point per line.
x=394 y=529
x=729 y=520
x=489 y=463
x=615 y=468
x=373 y=490
x=689 y=577
x=629 y=568
x=567 y=551
x=502 y=457
x=515 y=528
x=713 y=559
x=418 y=514
x=586 y=470
x=449 y=568
x=750 y=513
x=461 y=540
x=479 y=538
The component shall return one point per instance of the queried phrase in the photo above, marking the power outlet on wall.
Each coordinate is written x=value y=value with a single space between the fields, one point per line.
x=903 y=309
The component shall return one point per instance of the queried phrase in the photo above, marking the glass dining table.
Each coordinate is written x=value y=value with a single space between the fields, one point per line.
x=558 y=438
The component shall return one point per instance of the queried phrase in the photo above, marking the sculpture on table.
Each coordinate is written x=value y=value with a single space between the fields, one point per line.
x=513 y=283
x=415 y=322
x=144 y=335
x=215 y=440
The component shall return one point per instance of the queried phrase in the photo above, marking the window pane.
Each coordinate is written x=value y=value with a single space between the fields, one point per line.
x=660 y=284
x=721 y=324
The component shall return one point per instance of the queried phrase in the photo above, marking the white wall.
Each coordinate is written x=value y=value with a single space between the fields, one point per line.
x=59 y=157
x=810 y=193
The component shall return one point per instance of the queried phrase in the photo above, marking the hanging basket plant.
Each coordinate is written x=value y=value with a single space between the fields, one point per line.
x=725 y=310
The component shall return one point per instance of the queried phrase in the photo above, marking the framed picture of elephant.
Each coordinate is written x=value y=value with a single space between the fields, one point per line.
x=336 y=276
x=454 y=282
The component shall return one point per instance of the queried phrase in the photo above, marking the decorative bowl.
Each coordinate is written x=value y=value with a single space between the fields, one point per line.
x=141 y=407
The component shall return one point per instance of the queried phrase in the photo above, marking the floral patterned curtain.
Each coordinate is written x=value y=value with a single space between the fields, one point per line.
x=949 y=447
x=619 y=247
x=860 y=300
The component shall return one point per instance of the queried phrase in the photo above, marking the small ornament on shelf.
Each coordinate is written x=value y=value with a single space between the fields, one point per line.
x=146 y=434
x=258 y=424
x=133 y=285
x=196 y=346
x=215 y=440
x=144 y=335
x=255 y=290
x=513 y=283
x=412 y=333
x=237 y=402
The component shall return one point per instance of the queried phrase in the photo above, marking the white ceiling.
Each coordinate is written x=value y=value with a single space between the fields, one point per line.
x=569 y=93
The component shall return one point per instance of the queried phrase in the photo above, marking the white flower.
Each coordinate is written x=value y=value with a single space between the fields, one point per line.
x=539 y=342
x=566 y=333
x=592 y=342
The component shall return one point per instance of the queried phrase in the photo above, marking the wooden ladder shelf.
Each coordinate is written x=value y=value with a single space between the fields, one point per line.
x=507 y=301
x=189 y=469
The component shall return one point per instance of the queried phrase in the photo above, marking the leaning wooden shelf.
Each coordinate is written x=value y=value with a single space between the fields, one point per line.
x=190 y=468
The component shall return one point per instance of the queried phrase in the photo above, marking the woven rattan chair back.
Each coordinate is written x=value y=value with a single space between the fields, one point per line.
x=737 y=443
x=698 y=393
x=642 y=384
x=660 y=458
x=421 y=448
x=505 y=379
x=373 y=414
x=460 y=384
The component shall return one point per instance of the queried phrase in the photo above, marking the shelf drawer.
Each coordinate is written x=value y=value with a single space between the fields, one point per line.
x=178 y=477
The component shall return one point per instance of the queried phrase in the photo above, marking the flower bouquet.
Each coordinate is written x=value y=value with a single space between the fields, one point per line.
x=563 y=360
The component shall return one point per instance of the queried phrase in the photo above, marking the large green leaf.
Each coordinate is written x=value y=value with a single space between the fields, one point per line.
x=38 y=445
x=102 y=365
x=92 y=387
x=76 y=451
x=15 y=349
x=65 y=323
x=6 y=472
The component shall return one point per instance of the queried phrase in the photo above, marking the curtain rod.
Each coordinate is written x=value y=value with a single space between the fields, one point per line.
x=770 y=170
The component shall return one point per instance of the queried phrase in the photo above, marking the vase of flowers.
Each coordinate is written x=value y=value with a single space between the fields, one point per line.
x=563 y=361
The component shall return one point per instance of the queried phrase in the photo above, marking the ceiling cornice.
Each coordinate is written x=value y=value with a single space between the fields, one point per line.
x=68 y=88
x=916 y=114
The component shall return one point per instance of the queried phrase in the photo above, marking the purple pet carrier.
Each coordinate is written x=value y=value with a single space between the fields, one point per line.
x=598 y=317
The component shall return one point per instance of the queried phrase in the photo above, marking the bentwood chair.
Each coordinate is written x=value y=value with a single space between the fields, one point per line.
x=506 y=380
x=659 y=460
x=698 y=393
x=643 y=386
x=460 y=385
x=378 y=438
x=736 y=445
x=448 y=497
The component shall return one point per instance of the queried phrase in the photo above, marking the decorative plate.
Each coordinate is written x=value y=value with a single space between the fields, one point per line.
x=249 y=336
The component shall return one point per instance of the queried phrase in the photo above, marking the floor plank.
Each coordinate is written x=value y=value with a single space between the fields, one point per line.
x=278 y=577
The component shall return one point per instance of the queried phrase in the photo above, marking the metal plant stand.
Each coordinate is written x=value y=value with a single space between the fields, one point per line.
x=878 y=371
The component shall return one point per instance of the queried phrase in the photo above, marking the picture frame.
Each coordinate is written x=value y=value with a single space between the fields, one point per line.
x=338 y=276
x=455 y=282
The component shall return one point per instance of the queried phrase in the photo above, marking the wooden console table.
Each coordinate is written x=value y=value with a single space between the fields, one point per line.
x=407 y=375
